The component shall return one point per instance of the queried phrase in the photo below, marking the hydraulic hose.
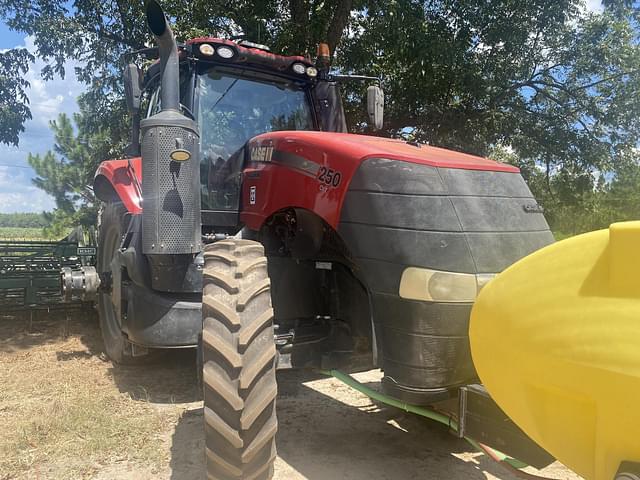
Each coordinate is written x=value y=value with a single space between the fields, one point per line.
x=511 y=464
x=382 y=398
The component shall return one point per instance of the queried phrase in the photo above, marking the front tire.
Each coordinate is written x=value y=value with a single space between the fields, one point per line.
x=239 y=375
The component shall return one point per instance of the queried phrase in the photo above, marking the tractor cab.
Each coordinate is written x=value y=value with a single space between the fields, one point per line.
x=232 y=107
x=235 y=92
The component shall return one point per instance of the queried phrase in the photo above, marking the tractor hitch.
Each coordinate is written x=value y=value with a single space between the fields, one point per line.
x=80 y=284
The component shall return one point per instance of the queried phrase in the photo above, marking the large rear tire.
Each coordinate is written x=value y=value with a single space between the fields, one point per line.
x=239 y=376
x=112 y=225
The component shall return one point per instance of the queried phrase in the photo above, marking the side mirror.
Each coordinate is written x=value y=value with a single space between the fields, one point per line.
x=132 y=89
x=375 y=106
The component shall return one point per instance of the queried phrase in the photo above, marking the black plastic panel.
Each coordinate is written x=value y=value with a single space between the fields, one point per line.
x=498 y=214
x=438 y=250
x=382 y=276
x=481 y=182
x=399 y=215
x=161 y=320
x=404 y=211
x=424 y=345
x=424 y=318
x=493 y=252
x=392 y=176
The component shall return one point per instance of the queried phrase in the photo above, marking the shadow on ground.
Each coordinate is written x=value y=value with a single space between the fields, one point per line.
x=170 y=379
x=166 y=377
x=24 y=330
x=326 y=430
x=320 y=438
x=187 y=447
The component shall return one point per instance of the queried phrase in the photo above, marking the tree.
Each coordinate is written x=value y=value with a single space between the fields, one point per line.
x=554 y=84
x=66 y=172
x=14 y=110
x=97 y=33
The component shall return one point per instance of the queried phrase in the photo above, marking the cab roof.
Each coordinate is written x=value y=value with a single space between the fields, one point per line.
x=243 y=55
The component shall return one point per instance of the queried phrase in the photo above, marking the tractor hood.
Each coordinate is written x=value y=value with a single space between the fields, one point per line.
x=353 y=149
x=425 y=227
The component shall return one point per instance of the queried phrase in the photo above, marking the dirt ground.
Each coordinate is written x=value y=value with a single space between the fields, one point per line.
x=67 y=412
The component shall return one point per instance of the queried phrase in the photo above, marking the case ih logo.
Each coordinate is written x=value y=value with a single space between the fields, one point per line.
x=261 y=154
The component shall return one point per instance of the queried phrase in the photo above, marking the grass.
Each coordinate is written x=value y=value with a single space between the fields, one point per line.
x=64 y=416
x=561 y=235
x=16 y=233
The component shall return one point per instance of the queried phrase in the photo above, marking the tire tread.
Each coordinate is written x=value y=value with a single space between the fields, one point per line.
x=239 y=381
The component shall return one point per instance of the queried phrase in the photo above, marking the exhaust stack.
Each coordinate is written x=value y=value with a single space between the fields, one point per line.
x=171 y=222
x=168 y=49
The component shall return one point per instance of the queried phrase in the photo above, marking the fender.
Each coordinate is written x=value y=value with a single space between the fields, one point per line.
x=284 y=171
x=120 y=180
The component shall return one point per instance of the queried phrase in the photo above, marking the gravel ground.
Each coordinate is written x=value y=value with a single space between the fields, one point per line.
x=326 y=430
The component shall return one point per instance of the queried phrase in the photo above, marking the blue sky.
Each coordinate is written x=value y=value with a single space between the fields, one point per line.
x=48 y=99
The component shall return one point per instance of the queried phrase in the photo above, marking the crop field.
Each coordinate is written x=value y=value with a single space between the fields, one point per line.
x=19 y=233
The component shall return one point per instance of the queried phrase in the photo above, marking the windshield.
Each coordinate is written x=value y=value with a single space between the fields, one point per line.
x=233 y=109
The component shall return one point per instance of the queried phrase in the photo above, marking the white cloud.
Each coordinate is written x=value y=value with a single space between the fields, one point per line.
x=17 y=194
x=594 y=5
x=48 y=99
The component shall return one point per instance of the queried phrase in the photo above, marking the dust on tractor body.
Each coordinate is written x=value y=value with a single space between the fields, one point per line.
x=248 y=222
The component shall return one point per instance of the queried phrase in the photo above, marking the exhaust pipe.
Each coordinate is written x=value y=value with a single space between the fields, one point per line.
x=171 y=224
x=168 y=49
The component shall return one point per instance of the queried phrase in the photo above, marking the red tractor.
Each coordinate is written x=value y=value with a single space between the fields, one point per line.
x=249 y=224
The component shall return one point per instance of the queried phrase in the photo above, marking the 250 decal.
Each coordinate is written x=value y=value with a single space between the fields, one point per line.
x=329 y=177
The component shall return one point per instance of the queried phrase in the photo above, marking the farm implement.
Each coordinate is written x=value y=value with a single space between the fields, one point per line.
x=44 y=275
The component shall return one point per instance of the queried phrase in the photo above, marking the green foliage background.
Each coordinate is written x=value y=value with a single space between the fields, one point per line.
x=23 y=220
x=542 y=84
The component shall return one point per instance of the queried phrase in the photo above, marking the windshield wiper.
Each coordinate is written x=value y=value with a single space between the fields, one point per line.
x=223 y=95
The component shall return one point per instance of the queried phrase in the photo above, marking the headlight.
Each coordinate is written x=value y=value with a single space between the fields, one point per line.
x=438 y=286
x=225 y=52
x=312 y=72
x=206 y=49
x=299 y=68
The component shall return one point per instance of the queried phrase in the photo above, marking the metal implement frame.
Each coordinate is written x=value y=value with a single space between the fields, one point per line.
x=30 y=272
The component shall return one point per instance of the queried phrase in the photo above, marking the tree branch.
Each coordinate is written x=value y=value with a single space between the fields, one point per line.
x=606 y=79
x=299 y=10
x=338 y=23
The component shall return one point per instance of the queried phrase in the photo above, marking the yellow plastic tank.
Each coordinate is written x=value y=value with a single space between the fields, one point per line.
x=555 y=339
